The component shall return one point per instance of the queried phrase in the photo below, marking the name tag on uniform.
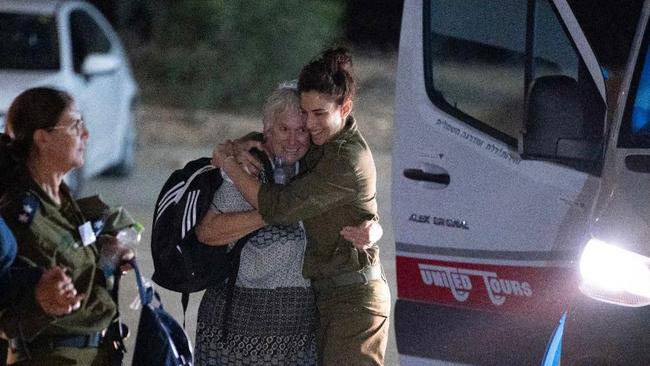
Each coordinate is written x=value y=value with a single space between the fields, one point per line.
x=87 y=234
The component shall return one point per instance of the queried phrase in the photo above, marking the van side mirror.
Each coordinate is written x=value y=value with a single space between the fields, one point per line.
x=556 y=123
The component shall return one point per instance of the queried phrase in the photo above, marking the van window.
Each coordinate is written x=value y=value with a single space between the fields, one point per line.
x=475 y=56
x=553 y=53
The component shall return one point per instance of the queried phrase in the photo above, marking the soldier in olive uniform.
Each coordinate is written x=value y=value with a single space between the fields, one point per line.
x=31 y=287
x=338 y=189
x=45 y=139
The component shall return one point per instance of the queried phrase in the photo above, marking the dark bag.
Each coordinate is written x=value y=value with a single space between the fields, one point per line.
x=181 y=262
x=160 y=339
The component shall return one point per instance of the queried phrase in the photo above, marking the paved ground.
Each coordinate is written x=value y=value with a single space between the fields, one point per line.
x=138 y=194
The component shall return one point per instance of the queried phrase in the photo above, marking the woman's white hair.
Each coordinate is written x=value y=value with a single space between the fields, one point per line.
x=285 y=98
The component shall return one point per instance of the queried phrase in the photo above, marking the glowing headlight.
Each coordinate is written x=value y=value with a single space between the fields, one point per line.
x=615 y=275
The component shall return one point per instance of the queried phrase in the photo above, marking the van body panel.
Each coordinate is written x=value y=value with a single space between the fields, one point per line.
x=495 y=288
x=430 y=334
x=487 y=242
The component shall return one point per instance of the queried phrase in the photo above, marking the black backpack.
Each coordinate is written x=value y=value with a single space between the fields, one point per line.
x=181 y=262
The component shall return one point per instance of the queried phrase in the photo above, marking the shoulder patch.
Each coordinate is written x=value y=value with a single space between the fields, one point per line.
x=29 y=206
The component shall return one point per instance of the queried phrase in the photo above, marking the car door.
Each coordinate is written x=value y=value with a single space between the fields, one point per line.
x=97 y=94
x=478 y=227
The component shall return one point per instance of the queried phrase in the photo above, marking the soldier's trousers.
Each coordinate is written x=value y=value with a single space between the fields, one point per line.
x=353 y=327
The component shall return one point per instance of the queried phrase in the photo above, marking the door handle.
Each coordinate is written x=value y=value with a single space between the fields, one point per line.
x=421 y=175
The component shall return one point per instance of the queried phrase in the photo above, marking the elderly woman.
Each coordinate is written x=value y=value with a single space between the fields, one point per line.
x=337 y=189
x=45 y=139
x=272 y=319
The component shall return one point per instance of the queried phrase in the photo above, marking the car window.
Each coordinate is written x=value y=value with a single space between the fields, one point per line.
x=87 y=37
x=28 y=42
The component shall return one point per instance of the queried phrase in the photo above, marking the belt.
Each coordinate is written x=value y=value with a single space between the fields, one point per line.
x=350 y=278
x=49 y=343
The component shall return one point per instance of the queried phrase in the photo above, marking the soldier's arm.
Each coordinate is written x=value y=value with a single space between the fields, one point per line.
x=223 y=228
x=332 y=183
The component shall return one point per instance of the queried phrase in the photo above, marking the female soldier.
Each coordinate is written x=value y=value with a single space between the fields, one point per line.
x=338 y=189
x=45 y=139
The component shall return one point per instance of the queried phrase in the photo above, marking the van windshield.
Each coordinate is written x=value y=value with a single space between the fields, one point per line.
x=28 y=42
x=635 y=127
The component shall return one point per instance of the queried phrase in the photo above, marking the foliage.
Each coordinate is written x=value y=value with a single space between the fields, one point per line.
x=231 y=54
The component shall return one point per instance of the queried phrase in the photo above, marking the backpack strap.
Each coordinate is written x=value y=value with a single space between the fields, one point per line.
x=185 y=300
x=145 y=299
x=117 y=331
x=185 y=295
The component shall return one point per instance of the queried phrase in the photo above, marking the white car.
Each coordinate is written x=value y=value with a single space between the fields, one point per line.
x=70 y=46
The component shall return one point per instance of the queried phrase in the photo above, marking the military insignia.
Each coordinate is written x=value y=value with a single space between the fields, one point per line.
x=24 y=218
x=30 y=205
x=98 y=225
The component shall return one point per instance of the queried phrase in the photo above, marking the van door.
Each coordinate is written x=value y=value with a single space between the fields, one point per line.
x=485 y=240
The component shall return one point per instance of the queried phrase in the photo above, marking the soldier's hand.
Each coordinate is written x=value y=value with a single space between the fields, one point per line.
x=55 y=293
x=116 y=253
x=363 y=236
x=241 y=149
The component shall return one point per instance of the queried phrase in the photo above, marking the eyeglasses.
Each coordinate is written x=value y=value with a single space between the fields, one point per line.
x=77 y=127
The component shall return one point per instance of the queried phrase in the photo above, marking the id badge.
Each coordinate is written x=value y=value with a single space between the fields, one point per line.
x=87 y=234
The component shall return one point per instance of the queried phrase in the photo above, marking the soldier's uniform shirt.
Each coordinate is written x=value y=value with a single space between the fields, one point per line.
x=338 y=189
x=49 y=234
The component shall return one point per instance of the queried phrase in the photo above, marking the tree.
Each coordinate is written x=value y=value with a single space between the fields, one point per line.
x=220 y=53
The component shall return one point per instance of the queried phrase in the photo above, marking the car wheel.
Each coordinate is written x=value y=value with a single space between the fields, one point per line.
x=127 y=161
x=74 y=179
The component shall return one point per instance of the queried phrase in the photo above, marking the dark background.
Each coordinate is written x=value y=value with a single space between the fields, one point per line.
x=376 y=23
x=368 y=26
x=368 y=23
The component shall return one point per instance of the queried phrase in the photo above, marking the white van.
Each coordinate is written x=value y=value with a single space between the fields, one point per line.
x=517 y=183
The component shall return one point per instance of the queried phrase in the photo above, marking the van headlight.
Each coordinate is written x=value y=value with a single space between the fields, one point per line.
x=615 y=275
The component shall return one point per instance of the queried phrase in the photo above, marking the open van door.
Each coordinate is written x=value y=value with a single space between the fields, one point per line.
x=608 y=323
x=498 y=153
